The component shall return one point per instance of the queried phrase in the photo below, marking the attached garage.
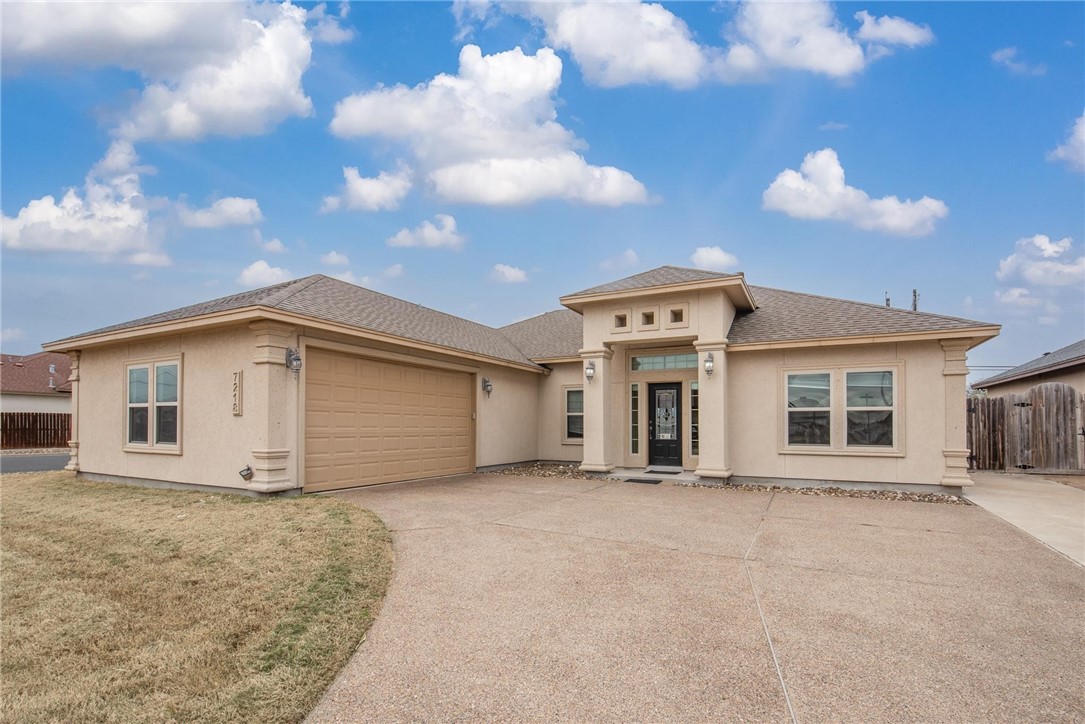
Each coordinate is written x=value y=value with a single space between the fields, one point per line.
x=370 y=421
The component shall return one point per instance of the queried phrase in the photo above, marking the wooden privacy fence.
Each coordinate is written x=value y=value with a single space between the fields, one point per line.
x=1040 y=429
x=34 y=429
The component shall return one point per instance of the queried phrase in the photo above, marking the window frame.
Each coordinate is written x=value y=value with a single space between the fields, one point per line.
x=152 y=405
x=565 y=414
x=635 y=398
x=788 y=409
x=838 y=411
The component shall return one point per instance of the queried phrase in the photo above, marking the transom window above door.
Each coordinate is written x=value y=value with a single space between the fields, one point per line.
x=664 y=362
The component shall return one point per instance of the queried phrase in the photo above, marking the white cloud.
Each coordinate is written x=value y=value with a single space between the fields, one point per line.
x=11 y=334
x=393 y=272
x=432 y=236
x=244 y=92
x=1017 y=297
x=273 y=246
x=818 y=191
x=625 y=260
x=371 y=194
x=622 y=43
x=230 y=211
x=882 y=33
x=1040 y=261
x=713 y=258
x=833 y=126
x=262 y=274
x=334 y=258
x=490 y=134
x=329 y=29
x=506 y=274
x=108 y=221
x=1072 y=151
x=1008 y=57
x=348 y=277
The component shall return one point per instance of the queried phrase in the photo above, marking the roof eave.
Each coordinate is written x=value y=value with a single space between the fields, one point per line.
x=976 y=335
x=734 y=287
x=259 y=312
x=997 y=380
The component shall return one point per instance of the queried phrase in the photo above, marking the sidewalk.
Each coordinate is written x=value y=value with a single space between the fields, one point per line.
x=1050 y=512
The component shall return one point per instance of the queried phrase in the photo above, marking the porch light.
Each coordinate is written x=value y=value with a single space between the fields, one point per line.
x=245 y=473
x=589 y=371
x=709 y=364
x=293 y=361
x=487 y=386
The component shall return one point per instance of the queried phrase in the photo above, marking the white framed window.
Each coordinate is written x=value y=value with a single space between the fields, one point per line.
x=153 y=406
x=843 y=410
x=574 y=415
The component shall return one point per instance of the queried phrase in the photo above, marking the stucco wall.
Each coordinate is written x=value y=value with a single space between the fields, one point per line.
x=215 y=444
x=757 y=415
x=508 y=420
x=15 y=402
x=551 y=413
x=1073 y=376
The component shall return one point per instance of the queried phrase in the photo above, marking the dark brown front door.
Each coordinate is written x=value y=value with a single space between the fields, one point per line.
x=665 y=424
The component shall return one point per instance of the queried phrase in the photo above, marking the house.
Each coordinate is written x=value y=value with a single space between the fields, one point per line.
x=316 y=384
x=1066 y=365
x=35 y=383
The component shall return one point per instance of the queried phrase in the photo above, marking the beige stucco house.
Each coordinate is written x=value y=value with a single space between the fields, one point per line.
x=1066 y=365
x=317 y=384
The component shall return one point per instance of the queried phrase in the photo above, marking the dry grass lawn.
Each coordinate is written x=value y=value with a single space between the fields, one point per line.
x=123 y=604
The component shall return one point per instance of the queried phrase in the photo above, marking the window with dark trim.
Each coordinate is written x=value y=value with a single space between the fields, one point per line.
x=694 y=419
x=634 y=418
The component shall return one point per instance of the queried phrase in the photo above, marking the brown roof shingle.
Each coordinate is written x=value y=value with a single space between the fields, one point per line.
x=333 y=300
x=1062 y=357
x=30 y=374
x=658 y=277
x=785 y=316
x=548 y=336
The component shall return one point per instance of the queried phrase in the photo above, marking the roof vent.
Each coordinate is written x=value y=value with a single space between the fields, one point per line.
x=52 y=384
x=52 y=369
x=1045 y=354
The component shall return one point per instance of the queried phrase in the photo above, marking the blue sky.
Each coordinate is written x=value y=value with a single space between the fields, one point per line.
x=485 y=158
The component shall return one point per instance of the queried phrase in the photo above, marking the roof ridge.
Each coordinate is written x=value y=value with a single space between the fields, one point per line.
x=290 y=289
x=754 y=287
x=537 y=316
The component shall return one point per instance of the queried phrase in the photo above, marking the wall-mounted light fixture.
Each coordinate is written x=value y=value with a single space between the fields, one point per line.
x=487 y=386
x=589 y=371
x=245 y=473
x=293 y=361
x=709 y=364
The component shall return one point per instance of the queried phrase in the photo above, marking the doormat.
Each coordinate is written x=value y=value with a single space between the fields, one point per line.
x=650 y=481
x=663 y=472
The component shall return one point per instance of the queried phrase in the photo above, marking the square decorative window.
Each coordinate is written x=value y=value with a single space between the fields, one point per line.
x=647 y=319
x=676 y=316
x=574 y=414
x=620 y=321
x=809 y=418
x=153 y=400
x=869 y=404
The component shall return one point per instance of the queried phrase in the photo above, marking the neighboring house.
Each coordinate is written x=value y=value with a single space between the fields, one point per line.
x=317 y=384
x=35 y=383
x=1066 y=365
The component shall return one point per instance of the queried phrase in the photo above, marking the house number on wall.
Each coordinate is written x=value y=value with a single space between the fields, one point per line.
x=237 y=393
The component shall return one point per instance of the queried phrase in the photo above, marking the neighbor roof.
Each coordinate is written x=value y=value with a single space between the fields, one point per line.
x=30 y=375
x=791 y=316
x=1068 y=355
x=659 y=277
x=554 y=335
x=333 y=300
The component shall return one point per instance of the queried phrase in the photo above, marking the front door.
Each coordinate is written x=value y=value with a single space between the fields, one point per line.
x=665 y=424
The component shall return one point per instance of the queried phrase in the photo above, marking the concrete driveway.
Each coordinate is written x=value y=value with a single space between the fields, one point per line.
x=551 y=599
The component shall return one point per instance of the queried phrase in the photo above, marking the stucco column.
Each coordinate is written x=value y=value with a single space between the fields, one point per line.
x=270 y=386
x=598 y=450
x=73 y=443
x=714 y=460
x=955 y=450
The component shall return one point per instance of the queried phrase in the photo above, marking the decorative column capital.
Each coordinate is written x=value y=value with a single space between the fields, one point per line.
x=272 y=340
x=600 y=353
x=719 y=345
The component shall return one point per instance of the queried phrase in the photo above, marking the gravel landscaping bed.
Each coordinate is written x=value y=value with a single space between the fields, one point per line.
x=547 y=470
x=38 y=451
x=839 y=493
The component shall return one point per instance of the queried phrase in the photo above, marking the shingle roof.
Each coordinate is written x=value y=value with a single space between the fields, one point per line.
x=333 y=300
x=784 y=316
x=655 y=278
x=1059 y=358
x=548 y=336
x=30 y=374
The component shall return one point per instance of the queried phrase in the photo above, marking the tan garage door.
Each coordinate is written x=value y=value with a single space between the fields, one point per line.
x=369 y=421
